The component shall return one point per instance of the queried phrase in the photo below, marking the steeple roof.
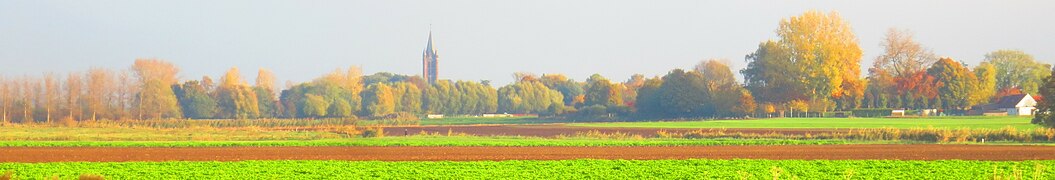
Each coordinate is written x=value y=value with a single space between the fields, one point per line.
x=429 y=49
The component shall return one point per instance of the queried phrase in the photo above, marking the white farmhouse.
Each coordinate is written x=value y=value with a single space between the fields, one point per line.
x=1013 y=105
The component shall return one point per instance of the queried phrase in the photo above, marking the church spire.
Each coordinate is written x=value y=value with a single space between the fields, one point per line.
x=429 y=61
x=428 y=47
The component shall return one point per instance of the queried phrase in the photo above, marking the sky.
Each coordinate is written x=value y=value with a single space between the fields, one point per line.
x=478 y=40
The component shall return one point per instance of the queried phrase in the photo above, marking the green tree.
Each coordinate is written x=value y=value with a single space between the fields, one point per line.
x=986 y=87
x=881 y=91
x=684 y=94
x=195 y=100
x=340 y=109
x=601 y=91
x=343 y=85
x=467 y=97
x=408 y=97
x=573 y=91
x=1017 y=69
x=956 y=83
x=1045 y=114
x=771 y=77
x=265 y=94
x=314 y=106
x=448 y=97
x=431 y=100
x=235 y=98
x=527 y=97
x=384 y=77
x=339 y=85
x=155 y=98
x=725 y=92
x=648 y=98
x=488 y=102
x=816 y=52
x=378 y=100
x=826 y=48
x=267 y=103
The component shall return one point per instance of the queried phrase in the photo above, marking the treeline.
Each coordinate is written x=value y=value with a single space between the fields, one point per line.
x=813 y=66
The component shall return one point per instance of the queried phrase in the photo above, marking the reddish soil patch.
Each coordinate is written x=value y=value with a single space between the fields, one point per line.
x=556 y=130
x=902 y=152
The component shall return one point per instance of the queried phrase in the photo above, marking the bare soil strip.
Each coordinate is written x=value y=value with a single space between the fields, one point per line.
x=901 y=152
x=556 y=130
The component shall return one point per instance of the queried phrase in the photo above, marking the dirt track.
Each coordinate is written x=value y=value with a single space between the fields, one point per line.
x=555 y=130
x=904 y=152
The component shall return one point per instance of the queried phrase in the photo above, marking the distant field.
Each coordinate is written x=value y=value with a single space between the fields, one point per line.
x=486 y=120
x=439 y=141
x=532 y=169
x=1021 y=123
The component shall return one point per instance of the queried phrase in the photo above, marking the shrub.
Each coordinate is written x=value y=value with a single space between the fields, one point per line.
x=374 y=132
x=400 y=118
x=601 y=135
x=594 y=111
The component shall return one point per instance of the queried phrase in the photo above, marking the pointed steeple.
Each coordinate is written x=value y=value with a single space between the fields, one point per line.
x=429 y=49
x=429 y=61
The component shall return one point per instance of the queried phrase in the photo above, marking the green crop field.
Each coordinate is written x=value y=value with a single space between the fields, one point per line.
x=531 y=169
x=1021 y=123
x=440 y=141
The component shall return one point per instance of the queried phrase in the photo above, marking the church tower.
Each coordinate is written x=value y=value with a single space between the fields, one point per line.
x=429 y=60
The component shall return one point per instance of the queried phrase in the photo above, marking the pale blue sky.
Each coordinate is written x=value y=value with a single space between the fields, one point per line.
x=300 y=40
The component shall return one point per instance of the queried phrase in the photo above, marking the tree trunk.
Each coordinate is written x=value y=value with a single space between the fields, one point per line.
x=25 y=114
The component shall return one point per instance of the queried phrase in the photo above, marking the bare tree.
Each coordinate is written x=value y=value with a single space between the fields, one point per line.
x=74 y=85
x=30 y=98
x=524 y=76
x=124 y=92
x=100 y=87
x=5 y=97
x=903 y=55
x=51 y=95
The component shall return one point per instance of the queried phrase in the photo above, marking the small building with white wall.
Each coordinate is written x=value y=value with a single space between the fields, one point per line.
x=1013 y=105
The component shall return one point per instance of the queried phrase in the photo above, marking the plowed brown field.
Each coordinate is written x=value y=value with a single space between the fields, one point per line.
x=555 y=130
x=903 y=152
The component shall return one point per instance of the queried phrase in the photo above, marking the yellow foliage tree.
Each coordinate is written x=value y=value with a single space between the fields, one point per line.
x=825 y=49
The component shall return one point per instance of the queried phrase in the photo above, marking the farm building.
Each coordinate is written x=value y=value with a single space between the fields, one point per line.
x=1013 y=105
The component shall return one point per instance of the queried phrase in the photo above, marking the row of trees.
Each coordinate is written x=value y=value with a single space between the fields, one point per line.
x=144 y=91
x=813 y=65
